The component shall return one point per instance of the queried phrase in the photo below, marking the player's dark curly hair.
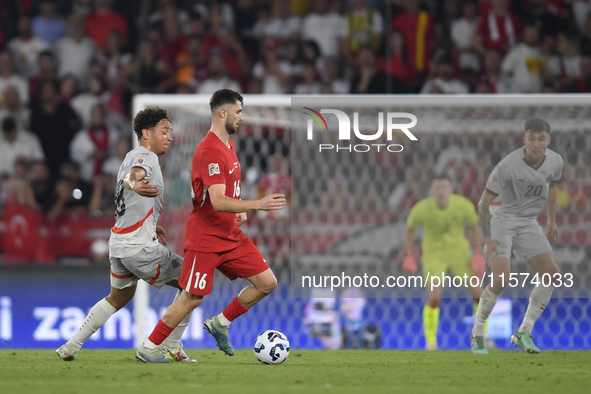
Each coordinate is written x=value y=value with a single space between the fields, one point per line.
x=223 y=97
x=537 y=125
x=148 y=118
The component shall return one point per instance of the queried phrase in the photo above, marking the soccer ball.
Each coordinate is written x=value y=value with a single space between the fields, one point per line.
x=271 y=347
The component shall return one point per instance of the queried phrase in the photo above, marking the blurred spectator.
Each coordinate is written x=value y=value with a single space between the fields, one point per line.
x=284 y=25
x=453 y=155
x=417 y=27
x=113 y=162
x=255 y=86
x=276 y=180
x=168 y=6
x=581 y=84
x=235 y=57
x=565 y=64
x=309 y=84
x=55 y=123
x=13 y=108
x=261 y=27
x=311 y=53
x=82 y=7
x=274 y=73
x=332 y=77
x=324 y=27
x=19 y=188
x=196 y=26
x=445 y=82
x=397 y=65
x=85 y=102
x=335 y=198
x=293 y=57
x=16 y=144
x=217 y=28
x=524 y=62
x=585 y=39
x=364 y=26
x=48 y=25
x=71 y=193
x=325 y=88
x=581 y=12
x=218 y=78
x=41 y=184
x=9 y=78
x=26 y=48
x=102 y=202
x=407 y=193
x=206 y=8
x=370 y=201
x=493 y=77
x=248 y=10
x=368 y=80
x=498 y=29
x=192 y=67
x=174 y=40
x=104 y=20
x=68 y=88
x=47 y=72
x=75 y=52
x=570 y=59
x=116 y=59
x=573 y=192
x=91 y=146
x=146 y=73
x=549 y=24
x=463 y=31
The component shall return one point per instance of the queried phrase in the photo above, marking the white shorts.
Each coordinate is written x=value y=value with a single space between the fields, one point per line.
x=155 y=265
x=527 y=239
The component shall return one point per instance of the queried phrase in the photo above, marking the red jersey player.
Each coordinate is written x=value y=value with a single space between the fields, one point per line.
x=213 y=239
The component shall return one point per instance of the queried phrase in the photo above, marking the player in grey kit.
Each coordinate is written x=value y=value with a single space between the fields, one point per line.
x=136 y=248
x=526 y=180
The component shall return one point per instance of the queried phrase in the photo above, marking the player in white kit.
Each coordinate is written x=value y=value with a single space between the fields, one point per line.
x=136 y=248
x=526 y=180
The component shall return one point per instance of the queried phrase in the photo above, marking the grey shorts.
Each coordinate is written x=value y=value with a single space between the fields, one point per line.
x=528 y=239
x=155 y=265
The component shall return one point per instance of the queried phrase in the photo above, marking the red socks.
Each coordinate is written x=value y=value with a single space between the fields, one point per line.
x=234 y=310
x=160 y=333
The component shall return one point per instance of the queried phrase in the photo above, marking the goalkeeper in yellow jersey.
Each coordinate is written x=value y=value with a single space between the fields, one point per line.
x=445 y=247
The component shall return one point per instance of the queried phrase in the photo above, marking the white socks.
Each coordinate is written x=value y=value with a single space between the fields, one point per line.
x=98 y=315
x=223 y=320
x=174 y=339
x=149 y=344
x=538 y=300
x=488 y=300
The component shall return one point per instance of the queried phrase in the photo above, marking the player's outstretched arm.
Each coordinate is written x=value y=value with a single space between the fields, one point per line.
x=223 y=203
x=551 y=209
x=135 y=181
x=485 y=216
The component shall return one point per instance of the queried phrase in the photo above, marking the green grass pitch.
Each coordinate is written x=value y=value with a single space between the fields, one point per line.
x=348 y=371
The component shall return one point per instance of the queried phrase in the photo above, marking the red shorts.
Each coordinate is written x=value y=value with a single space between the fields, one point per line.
x=198 y=267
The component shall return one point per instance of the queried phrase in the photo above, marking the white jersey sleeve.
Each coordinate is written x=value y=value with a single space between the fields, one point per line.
x=136 y=216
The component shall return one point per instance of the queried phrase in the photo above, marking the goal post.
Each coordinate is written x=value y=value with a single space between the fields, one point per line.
x=349 y=211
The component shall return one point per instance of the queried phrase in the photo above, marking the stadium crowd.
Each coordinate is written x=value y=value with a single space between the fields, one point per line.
x=69 y=70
